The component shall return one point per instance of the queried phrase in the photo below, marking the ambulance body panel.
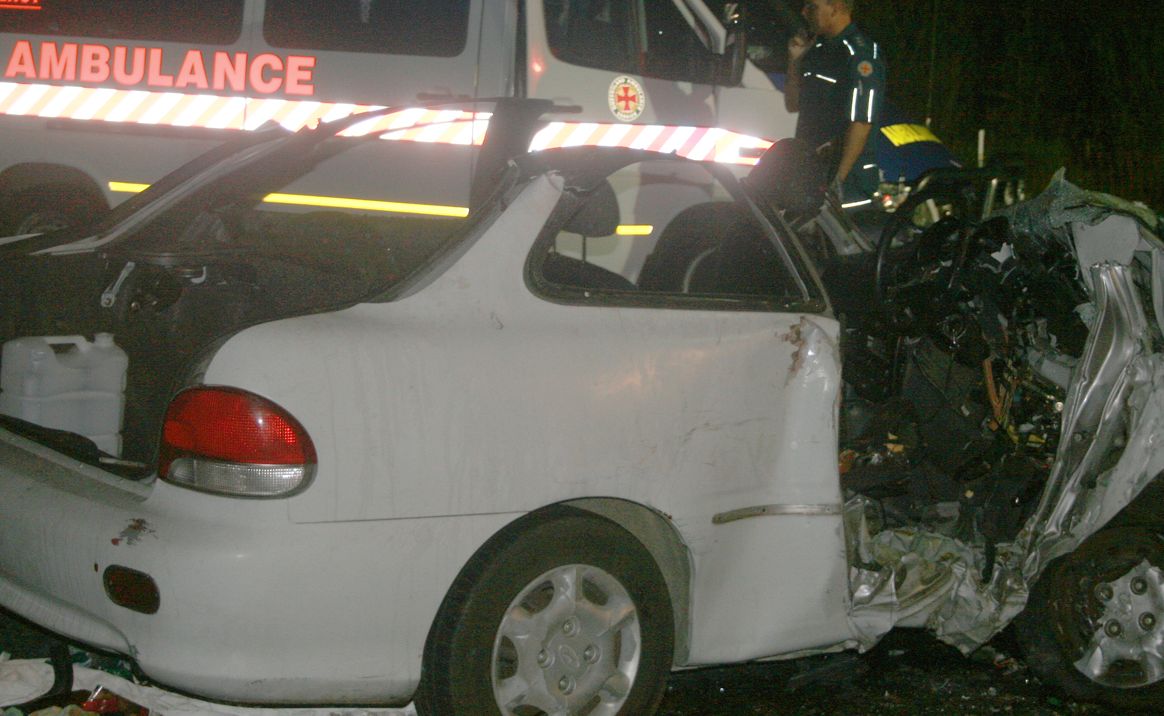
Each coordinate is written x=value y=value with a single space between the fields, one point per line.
x=98 y=100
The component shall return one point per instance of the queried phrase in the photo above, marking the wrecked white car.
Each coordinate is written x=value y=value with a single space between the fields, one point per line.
x=529 y=458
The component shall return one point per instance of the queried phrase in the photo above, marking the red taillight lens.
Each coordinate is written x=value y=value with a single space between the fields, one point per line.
x=234 y=442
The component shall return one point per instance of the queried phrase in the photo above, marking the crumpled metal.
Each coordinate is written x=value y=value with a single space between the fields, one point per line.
x=914 y=577
x=1062 y=203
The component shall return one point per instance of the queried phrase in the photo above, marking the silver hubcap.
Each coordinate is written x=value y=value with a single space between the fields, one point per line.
x=1127 y=646
x=568 y=644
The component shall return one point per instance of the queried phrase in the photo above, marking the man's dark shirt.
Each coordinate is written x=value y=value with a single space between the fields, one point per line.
x=842 y=81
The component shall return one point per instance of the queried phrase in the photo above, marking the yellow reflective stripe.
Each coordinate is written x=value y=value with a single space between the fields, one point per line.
x=333 y=202
x=127 y=187
x=339 y=202
x=902 y=134
x=634 y=230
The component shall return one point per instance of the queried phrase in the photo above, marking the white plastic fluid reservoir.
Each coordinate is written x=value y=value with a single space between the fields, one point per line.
x=67 y=383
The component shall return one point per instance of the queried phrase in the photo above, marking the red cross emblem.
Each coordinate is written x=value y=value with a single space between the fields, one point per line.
x=626 y=98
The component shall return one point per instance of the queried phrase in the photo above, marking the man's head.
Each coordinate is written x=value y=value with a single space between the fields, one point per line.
x=828 y=17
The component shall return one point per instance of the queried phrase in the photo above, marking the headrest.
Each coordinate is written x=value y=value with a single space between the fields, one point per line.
x=791 y=176
x=598 y=215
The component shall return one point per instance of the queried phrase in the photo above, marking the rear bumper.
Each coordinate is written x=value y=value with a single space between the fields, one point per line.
x=253 y=607
x=51 y=507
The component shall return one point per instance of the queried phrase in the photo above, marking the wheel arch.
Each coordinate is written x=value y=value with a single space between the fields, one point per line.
x=658 y=534
x=454 y=637
x=22 y=177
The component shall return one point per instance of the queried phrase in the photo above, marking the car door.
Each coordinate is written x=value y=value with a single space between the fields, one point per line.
x=695 y=370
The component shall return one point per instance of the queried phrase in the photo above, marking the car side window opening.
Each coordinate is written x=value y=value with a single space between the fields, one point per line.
x=654 y=38
x=436 y=28
x=204 y=22
x=668 y=228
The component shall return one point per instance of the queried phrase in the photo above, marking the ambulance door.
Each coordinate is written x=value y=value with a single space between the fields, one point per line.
x=380 y=52
x=750 y=104
x=385 y=53
x=636 y=61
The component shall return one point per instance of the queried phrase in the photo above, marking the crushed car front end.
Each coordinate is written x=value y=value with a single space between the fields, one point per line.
x=1013 y=471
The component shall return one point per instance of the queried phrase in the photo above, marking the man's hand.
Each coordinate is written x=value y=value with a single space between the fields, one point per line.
x=798 y=44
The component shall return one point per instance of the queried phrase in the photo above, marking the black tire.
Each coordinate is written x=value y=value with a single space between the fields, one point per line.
x=49 y=208
x=1066 y=618
x=508 y=582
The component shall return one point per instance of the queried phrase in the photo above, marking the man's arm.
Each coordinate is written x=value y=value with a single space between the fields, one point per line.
x=867 y=73
x=855 y=137
x=797 y=45
x=792 y=87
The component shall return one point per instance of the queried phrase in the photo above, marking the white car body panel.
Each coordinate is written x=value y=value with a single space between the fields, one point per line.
x=437 y=419
x=204 y=553
x=508 y=405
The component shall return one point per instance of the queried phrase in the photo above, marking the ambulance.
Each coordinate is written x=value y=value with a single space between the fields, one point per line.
x=100 y=98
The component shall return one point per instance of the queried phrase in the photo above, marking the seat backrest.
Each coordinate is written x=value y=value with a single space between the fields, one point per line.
x=685 y=241
x=791 y=177
x=576 y=273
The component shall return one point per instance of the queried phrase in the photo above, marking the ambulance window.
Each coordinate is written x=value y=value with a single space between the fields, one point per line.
x=593 y=33
x=435 y=28
x=674 y=50
x=650 y=37
x=770 y=27
x=205 y=22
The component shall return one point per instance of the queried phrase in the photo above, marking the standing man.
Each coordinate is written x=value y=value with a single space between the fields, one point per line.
x=836 y=81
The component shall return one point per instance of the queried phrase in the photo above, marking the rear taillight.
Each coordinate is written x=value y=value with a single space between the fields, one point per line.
x=231 y=442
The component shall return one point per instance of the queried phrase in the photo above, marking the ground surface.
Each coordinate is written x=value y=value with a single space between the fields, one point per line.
x=908 y=673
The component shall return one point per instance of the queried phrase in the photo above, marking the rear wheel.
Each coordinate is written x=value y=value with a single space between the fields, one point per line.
x=562 y=612
x=49 y=208
x=1094 y=626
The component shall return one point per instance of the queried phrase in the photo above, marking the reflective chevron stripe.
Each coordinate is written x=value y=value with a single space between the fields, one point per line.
x=698 y=143
x=176 y=109
x=457 y=127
